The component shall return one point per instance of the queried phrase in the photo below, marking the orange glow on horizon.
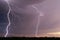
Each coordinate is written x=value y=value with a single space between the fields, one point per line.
x=58 y=33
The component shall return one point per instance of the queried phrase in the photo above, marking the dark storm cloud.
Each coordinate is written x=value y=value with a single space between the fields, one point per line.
x=3 y=17
x=3 y=11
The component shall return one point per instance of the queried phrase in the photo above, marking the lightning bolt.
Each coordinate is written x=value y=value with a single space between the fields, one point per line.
x=9 y=23
x=38 y=20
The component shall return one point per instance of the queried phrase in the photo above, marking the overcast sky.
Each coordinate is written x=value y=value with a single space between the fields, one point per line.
x=24 y=17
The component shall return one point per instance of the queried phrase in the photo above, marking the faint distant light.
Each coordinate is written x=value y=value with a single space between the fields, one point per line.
x=54 y=33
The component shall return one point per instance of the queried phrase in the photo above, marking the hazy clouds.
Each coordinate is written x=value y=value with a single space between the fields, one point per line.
x=28 y=18
x=24 y=17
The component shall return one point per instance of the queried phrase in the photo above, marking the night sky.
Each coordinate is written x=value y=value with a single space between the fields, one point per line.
x=24 y=18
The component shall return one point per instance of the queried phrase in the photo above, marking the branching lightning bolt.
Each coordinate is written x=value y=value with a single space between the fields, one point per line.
x=8 y=20
x=38 y=22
